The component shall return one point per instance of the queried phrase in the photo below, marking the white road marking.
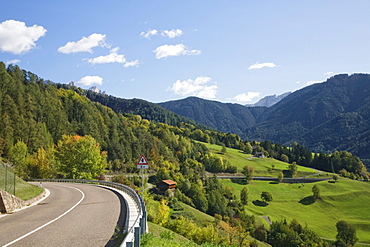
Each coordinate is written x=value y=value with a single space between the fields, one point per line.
x=48 y=223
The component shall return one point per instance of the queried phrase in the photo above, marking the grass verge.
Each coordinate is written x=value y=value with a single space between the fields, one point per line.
x=23 y=190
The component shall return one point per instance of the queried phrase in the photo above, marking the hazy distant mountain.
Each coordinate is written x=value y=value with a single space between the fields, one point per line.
x=95 y=89
x=270 y=100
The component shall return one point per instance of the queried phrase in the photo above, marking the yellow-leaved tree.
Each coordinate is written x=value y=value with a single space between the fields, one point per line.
x=79 y=157
x=163 y=213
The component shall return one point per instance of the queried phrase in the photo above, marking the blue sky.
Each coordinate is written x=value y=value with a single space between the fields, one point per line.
x=231 y=51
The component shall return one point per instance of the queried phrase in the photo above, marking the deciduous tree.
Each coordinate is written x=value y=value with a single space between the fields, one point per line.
x=248 y=148
x=244 y=195
x=17 y=155
x=223 y=149
x=266 y=196
x=293 y=169
x=163 y=213
x=346 y=233
x=248 y=172
x=316 y=192
x=280 y=177
x=80 y=157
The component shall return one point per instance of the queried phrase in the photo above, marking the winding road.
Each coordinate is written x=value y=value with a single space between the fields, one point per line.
x=72 y=215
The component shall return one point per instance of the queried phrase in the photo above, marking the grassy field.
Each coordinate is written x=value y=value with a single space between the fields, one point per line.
x=262 y=167
x=203 y=218
x=200 y=217
x=345 y=200
x=23 y=189
x=160 y=236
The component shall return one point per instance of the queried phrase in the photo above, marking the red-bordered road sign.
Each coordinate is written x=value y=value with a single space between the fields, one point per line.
x=142 y=163
x=142 y=160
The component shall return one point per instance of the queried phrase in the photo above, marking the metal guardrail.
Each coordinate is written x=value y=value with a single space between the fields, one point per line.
x=132 y=238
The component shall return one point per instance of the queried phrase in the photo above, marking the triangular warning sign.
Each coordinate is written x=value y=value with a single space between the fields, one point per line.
x=142 y=160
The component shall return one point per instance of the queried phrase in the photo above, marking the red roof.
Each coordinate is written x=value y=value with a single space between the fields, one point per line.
x=169 y=182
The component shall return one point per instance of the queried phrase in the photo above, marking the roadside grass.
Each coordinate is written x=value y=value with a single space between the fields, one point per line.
x=160 y=236
x=200 y=217
x=345 y=200
x=262 y=166
x=23 y=190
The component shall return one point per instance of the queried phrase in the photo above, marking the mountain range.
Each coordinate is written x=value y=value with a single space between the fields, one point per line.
x=325 y=117
x=328 y=116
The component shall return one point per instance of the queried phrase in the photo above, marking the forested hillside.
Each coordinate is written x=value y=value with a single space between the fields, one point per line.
x=39 y=113
x=328 y=116
x=145 y=109
x=225 y=117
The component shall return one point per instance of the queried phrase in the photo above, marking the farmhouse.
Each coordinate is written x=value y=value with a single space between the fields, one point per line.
x=257 y=154
x=165 y=185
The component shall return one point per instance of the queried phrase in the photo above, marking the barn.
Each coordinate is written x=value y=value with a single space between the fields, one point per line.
x=166 y=185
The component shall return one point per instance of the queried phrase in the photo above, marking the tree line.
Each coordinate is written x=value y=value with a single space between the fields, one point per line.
x=341 y=162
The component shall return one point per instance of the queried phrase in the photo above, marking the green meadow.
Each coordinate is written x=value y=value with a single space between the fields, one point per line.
x=262 y=167
x=344 y=200
x=160 y=236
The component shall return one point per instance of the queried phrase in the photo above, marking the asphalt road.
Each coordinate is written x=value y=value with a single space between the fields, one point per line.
x=73 y=215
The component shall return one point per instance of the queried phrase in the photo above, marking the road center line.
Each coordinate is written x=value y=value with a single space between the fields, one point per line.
x=48 y=223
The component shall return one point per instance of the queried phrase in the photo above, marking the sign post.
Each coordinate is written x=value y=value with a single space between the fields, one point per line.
x=142 y=164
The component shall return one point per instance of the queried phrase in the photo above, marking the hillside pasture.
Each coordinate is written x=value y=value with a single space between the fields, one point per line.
x=345 y=200
x=262 y=166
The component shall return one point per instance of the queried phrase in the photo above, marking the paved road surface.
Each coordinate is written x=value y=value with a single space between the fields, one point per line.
x=73 y=215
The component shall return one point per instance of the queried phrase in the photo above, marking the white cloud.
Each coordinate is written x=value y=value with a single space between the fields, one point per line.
x=85 y=44
x=262 y=65
x=90 y=80
x=173 y=50
x=17 y=38
x=14 y=61
x=172 y=33
x=329 y=73
x=195 y=87
x=208 y=92
x=113 y=57
x=148 y=34
x=248 y=97
x=134 y=63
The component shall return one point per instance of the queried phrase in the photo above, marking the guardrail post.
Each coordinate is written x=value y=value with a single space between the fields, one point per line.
x=137 y=237
x=143 y=220
x=141 y=224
